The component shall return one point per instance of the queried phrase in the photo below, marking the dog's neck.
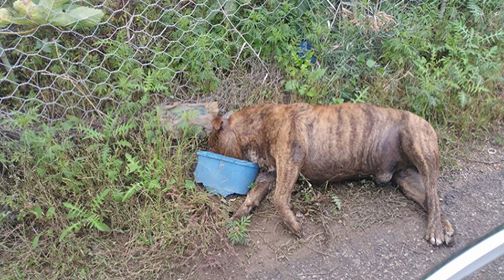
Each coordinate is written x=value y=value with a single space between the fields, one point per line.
x=252 y=138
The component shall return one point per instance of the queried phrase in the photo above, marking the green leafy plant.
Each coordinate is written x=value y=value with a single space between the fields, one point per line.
x=237 y=231
x=56 y=12
x=81 y=217
x=305 y=79
x=336 y=201
x=449 y=68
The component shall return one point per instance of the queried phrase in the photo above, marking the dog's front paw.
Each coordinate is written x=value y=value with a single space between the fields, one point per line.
x=244 y=210
x=440 y=233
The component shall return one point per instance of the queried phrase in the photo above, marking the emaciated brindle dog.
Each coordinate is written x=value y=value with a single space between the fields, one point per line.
x=334 y=143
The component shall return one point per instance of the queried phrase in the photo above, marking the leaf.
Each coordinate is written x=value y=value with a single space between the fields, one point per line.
x=317 y=74
x=101 y=226
x=370 y=63
x=230 y=7
x=37 y=211
x=122 y=130
x=24 y=8
x=100 y=198
x=80 y=16
x=475 y=10
x=291 y=85
x=70 y=229
x=91 y=133
x=51 y=11
x=74 y=212
x=124 y=144
x=133 y=165
x=105 y=155
x=153 y=185
x=131 y=191
x=53 y=4
x=118 y=196
x=189 y=185
x=44 y=45
x=98 y=224
x=338 y=100
x=303 y=89
x=463 y=100
x=51 y=212
x=35 y=241
x=5 y=17
x=238 y=230
x=311 y=92
x=37 y=14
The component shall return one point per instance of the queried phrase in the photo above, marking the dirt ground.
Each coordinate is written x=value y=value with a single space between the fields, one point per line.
x=377 y=234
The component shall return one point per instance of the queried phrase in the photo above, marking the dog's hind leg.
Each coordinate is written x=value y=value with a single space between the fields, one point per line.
x=411 y=184
x=419 y=143
x=263 y=185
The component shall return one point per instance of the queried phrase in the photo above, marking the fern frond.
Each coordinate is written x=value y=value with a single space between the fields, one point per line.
x=475 y=10
x=463 y=99
x=105 y=155
x=493 y=38
x=70 y=229
x=96 y=221
x=124 y=144
x=99 y=199
x=133 y=164
x=74 y=211
x=123 y=129
x=90 y=133
x=131 y=191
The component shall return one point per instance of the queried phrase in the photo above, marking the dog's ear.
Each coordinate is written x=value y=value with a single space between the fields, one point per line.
x=219 y=122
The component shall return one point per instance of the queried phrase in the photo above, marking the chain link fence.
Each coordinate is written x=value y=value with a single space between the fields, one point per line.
x=163 y=48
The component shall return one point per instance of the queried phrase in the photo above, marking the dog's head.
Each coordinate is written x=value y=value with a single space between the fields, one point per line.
x=222 y=138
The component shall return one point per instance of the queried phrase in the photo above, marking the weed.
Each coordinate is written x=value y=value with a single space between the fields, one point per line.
x=237 y=231
x=336 y=201
x=72 y=183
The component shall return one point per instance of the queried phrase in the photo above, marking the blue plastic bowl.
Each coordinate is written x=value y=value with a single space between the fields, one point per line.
x=224 y=175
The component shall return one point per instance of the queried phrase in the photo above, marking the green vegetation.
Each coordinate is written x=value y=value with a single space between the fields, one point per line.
x=103 y=181
x=71 y=183
x=57 y=13
x=237 y=231
x=336 y=202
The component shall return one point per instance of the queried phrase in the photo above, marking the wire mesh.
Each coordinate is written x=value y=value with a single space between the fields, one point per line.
x=159 y=47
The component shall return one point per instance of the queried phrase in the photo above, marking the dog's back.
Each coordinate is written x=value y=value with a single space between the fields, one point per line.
x=350 y=140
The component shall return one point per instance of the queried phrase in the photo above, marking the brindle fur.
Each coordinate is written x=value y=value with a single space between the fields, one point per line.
x=334 y=143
